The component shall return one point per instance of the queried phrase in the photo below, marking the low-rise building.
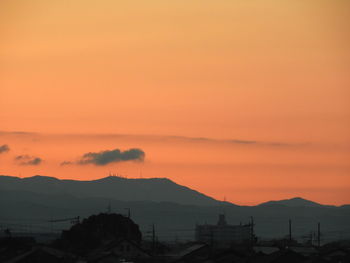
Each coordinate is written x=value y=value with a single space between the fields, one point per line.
x=123 y=249
x=223 y=234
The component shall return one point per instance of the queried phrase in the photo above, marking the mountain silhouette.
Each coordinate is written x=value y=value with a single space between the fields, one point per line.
x=293 y=202
x=174 y=209
x=114 y=187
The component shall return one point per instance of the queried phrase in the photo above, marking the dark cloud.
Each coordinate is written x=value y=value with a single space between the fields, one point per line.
x=28 y=160
x=113 y=156
x=4 y=148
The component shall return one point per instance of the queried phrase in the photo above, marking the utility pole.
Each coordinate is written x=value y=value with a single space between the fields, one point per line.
x=252 y=230
x=311 y=238
x=319 y=234
x=290 y=231
x=153 y=239
x=51 y=225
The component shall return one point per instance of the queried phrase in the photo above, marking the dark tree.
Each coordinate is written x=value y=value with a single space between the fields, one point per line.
x=96 y=230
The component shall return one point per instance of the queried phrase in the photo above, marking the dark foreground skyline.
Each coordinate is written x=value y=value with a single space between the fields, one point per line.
x=110 y=237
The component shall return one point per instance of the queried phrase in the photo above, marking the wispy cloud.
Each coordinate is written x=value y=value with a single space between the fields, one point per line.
x=150 y=137
x=28 y=160
x=16 y=133
x=230 y=141
x=66 y=163
x=4 y=148
x=109 y=156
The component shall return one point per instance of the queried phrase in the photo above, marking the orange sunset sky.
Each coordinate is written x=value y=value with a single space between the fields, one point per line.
x=247 y=100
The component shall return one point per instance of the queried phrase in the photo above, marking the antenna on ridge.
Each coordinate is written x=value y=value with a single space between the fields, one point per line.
x=223 y=205
x=109 y=207
x=129 y=211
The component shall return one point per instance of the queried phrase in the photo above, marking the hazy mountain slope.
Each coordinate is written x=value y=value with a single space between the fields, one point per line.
x=172 y=220
x=293 y=202
x=154 y=189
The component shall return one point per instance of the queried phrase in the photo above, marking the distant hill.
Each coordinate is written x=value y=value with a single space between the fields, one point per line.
x=293 y=202
x=30 y=203
x=114 y=187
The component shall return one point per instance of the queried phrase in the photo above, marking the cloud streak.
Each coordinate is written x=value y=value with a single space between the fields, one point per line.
x=16 y=133
x=4 y=148
x=28 y=160
x=150 y=137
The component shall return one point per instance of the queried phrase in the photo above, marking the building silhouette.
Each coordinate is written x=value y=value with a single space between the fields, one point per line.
x=223 y=234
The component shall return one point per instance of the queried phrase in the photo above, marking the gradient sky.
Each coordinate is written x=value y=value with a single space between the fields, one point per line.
x=264 y=83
